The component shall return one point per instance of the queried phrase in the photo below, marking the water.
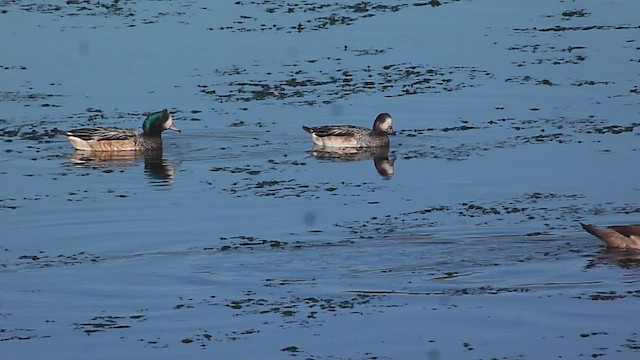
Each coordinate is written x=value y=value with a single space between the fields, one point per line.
x=514 y=123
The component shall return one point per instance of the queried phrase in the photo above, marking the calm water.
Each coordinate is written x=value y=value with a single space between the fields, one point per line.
x=514 y=122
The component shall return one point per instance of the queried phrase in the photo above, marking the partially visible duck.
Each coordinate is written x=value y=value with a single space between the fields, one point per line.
x=116 y=139
x=345 y=136
x=623 y=237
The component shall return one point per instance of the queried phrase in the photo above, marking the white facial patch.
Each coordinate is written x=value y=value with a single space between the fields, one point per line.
x=386 y=124
x=169 y=123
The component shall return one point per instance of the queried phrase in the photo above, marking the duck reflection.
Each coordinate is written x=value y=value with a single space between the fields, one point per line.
x=380 y=155
x=156 y=168
x=624 y=258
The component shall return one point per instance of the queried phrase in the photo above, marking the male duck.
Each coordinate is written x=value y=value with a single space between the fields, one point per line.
x=623 y=237
x=116 y=139
x=344 y=136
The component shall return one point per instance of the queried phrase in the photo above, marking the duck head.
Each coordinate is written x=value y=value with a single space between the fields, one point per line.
x=383 y=123
x=157 y=122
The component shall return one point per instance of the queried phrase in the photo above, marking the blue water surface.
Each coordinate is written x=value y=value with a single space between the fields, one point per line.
x=514 y=122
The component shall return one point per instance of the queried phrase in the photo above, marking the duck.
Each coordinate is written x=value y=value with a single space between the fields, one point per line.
x=621 y=237
x=117 y=139
x=352 y=136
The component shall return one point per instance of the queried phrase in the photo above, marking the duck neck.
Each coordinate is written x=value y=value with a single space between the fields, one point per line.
x=150 y=141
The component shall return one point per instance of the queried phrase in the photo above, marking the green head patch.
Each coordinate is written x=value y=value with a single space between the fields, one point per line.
x=158 y=116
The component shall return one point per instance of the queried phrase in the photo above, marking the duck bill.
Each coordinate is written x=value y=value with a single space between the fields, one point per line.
x=174 y=129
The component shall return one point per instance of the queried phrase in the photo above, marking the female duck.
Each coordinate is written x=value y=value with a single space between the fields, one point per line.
x=350 y=136
x=116 y=139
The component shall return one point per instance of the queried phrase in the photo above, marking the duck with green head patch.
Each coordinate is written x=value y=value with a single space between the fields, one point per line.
x=116 y=139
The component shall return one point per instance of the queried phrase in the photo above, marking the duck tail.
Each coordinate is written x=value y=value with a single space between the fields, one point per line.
x=590 y=229
x=307 y=129
x=608 y=236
